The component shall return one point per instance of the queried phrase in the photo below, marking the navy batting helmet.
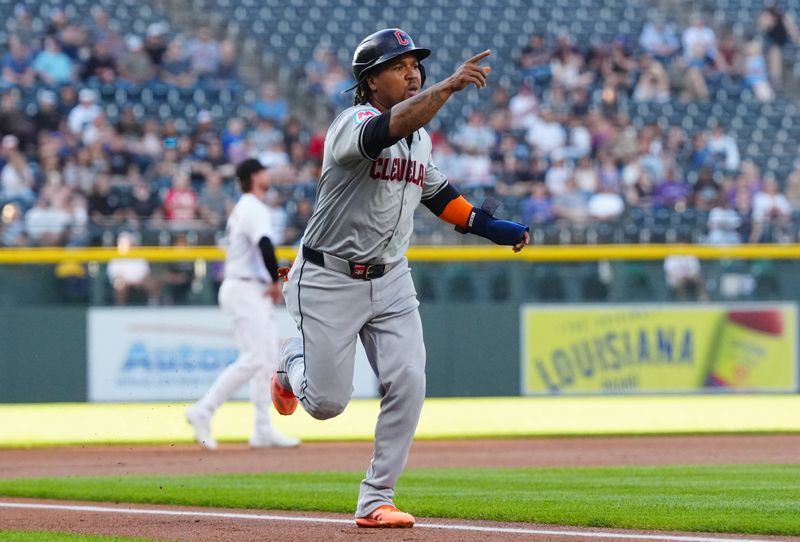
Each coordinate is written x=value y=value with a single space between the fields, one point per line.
x=381 y=47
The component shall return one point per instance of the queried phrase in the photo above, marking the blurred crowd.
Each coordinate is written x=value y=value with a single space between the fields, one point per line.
x=559 y=144
x=564 y=142
x=72 y=175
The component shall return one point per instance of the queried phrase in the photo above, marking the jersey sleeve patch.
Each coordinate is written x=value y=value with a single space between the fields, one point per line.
x=363 y=114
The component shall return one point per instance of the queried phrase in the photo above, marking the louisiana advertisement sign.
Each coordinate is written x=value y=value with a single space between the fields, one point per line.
x=173 y=354
x=676 y=348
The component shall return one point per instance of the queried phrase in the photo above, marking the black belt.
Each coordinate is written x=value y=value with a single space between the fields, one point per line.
x=363 y=271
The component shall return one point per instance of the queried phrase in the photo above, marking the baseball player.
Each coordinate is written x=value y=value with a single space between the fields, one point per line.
x=352 y=278
x=247 y=295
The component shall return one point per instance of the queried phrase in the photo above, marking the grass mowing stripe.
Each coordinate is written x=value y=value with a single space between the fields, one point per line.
x=661 y=498
x=329 y=491
x=754 y=499
x=47 y=536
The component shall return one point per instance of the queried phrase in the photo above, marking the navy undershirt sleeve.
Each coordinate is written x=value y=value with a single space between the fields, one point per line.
x=375 y=135
x=440 y=199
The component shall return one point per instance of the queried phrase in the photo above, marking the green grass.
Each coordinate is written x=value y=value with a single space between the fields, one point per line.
x=754 y=499
x=47 y=536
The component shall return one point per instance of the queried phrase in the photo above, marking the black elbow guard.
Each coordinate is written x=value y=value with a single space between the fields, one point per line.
x=268 y=255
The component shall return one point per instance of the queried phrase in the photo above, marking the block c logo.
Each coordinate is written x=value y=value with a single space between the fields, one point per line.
x=402 y=38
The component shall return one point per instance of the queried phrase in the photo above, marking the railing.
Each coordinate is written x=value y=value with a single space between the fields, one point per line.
x=571 y=253
x=443 y=274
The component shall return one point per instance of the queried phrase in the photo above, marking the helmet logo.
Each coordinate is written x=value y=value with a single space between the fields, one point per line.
x=402 y=37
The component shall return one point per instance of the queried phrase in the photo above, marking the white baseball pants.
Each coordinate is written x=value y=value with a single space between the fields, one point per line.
x=254 y=330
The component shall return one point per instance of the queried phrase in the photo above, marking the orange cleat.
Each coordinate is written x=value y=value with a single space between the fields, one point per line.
x=386 y=516
x=284 y=400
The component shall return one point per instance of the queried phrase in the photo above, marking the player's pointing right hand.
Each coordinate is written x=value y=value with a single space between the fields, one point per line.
x=471 y=73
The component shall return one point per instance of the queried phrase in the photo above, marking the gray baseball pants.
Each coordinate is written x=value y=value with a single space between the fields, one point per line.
x=332 y=309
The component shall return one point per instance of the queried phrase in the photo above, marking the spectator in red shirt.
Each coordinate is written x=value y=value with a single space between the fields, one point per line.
x=316 y=144
x=180 y=203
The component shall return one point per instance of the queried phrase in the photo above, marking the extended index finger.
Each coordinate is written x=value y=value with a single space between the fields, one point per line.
x=480 y=56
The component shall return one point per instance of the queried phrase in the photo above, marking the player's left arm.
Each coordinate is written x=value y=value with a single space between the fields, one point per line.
x=449 y=205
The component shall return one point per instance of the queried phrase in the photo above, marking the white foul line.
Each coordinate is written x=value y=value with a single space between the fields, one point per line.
x=476 y=528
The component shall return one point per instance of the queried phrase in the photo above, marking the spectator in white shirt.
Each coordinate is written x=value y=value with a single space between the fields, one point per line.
x=476 y=134
x=659 y=39
x=127 y=274
x=723 y=223
x=606 y=204
x=278 y=217
x=47 y=223
x=684 y=277
x=16 y=176
x=547 y=134
x=524 y=108
x=568 y=71
x=580 y=139
x=275 y=156
x=203 y=53
x=792 y=190
x=82 y=115
x=263 y=135
x=558 y=173
x=477 y=168
x=699 y=35
x=720 y=143
x=447 y=159
x=586 y=174
x=98 y=131
x=572 y=204
x=770 y=207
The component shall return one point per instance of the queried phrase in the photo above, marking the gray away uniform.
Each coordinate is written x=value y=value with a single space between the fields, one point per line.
x=364 y=215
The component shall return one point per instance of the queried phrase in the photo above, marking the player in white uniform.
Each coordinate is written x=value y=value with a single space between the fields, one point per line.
x=352 y=278
x=247 y=296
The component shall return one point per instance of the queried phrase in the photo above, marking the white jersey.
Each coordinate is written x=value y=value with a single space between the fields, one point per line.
x=365 y=207
x=248 y=223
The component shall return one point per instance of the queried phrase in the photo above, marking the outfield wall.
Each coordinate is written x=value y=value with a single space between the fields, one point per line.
x=470 y=305
x=42 y=354
x=45 y=353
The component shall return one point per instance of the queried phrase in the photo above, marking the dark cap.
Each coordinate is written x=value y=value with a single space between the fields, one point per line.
x=247 y=168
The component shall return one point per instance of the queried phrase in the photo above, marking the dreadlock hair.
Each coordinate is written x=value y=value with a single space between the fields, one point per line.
x=363 y=93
